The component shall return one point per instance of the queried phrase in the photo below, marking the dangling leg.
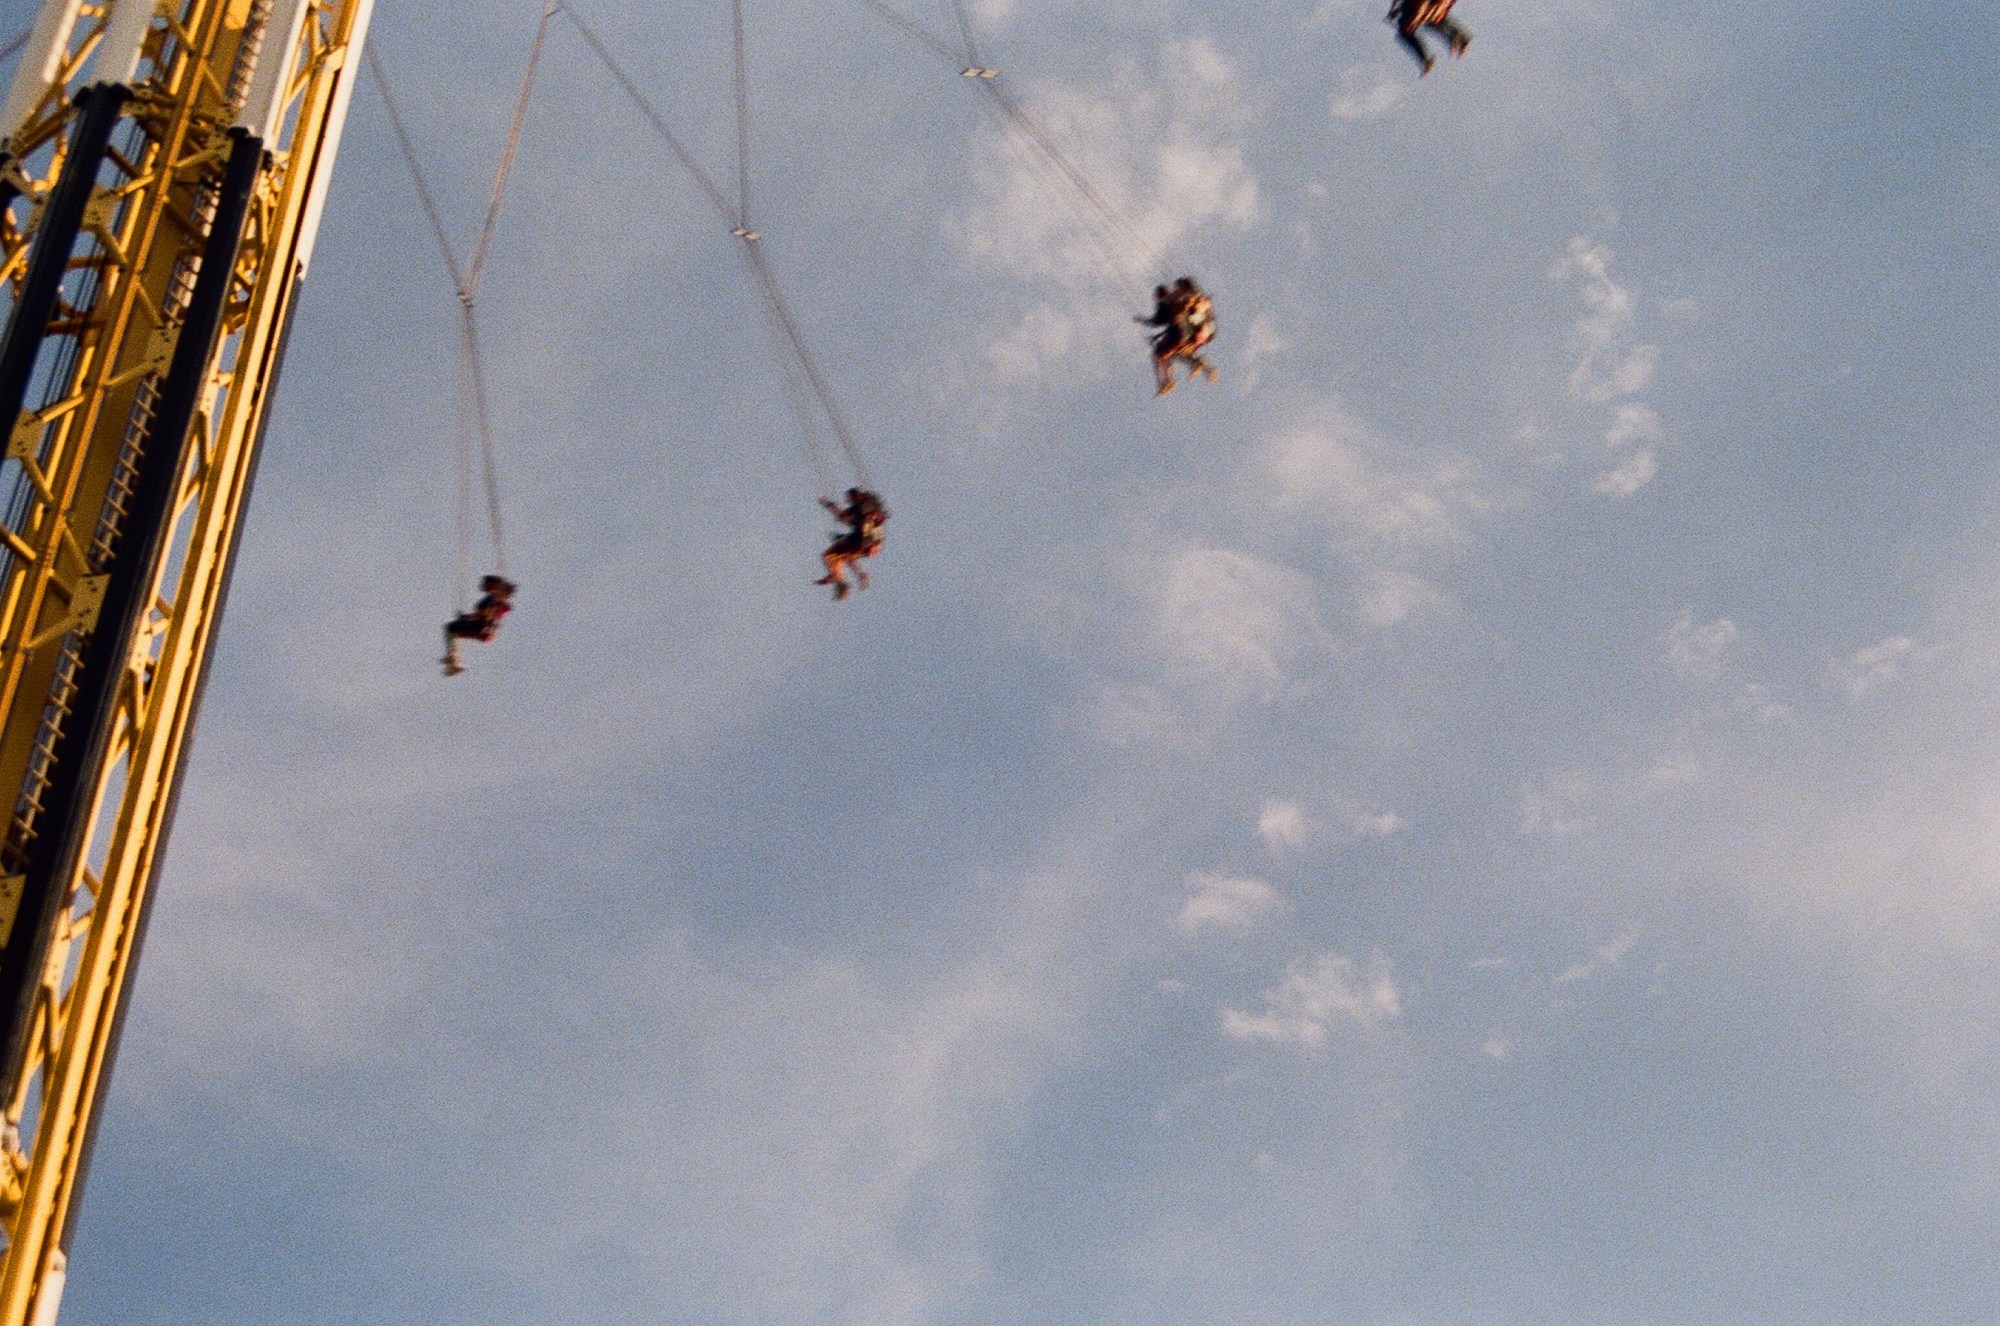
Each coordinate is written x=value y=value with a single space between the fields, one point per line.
x=452 y=667
x=1163 y=373
x=1453 y=33
x=1408 y=36
x=860 y=577
x=836 y=573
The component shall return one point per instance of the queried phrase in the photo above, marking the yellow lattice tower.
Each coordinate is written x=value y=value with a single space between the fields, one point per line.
x=165 y=162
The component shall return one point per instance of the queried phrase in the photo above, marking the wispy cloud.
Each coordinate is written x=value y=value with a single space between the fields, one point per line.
x=1695 y=649
x=1614 y=366
x=1226 y=902
x=1260 y=344
x=1239 y=621
x=1607 y=956
x=1369 y=92
x=1317 y=995
x=1576 y=801
x=1634 y=435
x=1560 y=806
x=1614 y=361
x=1371 y=493
x=1287 y=825
x=1873 y=668
x=1700 y=652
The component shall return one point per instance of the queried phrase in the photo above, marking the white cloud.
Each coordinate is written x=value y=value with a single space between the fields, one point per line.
x=1378 y=824
x=1258 y=345
x=1128 y=716
x=1696 y=651
x=1874 y=667
x=1284 y=824
x=1606 y=957
x=1388 y=597
x=1373 y=493
x=1614 y=363
x=1369 y=92
x=1226 y=902
x=1633 y=424
x=1614 y=366
x=1040 y=337
x=1237 y=620
x=1755 y=700
x=1632 y=474
x=1287 y=825
x=1635 y=433
x=1316 y=995
x=1576 y=801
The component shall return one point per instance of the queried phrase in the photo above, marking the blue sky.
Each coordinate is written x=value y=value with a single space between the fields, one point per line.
x=1486 y=816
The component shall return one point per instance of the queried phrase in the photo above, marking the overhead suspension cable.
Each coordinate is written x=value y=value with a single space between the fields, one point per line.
x=1117 y=239
x=972 y=60
x=476 y=268
x=800 y=392
x=785 y=327
x=466 y=280
x=912 y=29
x=653 y=117
x=742 y=85
x=402 y=136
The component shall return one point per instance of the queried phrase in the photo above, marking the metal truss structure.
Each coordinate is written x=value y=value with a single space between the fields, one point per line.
x=163 y=164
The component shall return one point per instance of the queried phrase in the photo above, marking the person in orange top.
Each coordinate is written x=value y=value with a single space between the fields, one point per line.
x=864 y=515
x=1186 y=318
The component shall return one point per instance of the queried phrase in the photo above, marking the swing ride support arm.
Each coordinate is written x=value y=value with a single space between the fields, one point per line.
x=148 y=386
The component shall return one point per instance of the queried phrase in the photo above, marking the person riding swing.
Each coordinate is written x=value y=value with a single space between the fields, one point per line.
x=1185 y=316
x=496 y=600
x=864 y=514
x=1412 y=16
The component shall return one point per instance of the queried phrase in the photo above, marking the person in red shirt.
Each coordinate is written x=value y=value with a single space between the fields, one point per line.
x=496 y=600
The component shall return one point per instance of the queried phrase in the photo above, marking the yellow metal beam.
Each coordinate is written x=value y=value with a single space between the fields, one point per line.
x=72 y=465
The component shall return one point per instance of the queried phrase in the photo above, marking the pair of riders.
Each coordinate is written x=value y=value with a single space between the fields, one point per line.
x=1185 y=316
x=864 y=514
x=1413 y=16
